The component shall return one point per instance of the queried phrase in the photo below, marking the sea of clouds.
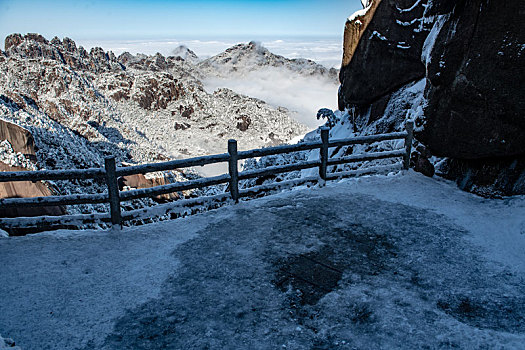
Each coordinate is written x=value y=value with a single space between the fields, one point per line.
x=302 y=95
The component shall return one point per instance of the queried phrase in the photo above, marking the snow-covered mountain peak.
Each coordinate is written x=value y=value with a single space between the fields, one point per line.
x=243 y=58
x=185 y=53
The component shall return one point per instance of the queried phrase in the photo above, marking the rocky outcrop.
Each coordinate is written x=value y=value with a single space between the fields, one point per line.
x=475 y=81
x=155 y=63
x=471 y=111
x=20 y=149
x=186 y=54
x=354 y=29
x=382 y=50
x=25 y=189
x=157 y=92
x=35 y=46
x=20 y=139
x=140 y=181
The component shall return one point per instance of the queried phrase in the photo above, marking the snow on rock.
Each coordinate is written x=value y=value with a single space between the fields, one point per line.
x=366 y=76
x=431 y=38
x=186 y=54
x=416 y=3
x=14 y=159
x=243 y=58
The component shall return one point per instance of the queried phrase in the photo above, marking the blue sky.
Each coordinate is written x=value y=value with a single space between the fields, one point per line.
x=117 y=19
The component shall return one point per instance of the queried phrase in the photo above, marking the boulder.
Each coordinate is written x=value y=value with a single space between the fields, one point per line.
x=25 y=189
x=475 y=81
x=20 y=139
x=243 y=122
x=421 y=162
x=140 y=181
x=382 y=50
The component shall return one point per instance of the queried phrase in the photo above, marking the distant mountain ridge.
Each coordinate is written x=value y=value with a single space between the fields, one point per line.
x=243 y=58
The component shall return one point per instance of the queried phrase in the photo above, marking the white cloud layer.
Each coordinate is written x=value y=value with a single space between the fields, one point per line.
x=280 y=87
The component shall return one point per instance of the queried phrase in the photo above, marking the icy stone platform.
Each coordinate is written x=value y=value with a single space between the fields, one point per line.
x=376 y=262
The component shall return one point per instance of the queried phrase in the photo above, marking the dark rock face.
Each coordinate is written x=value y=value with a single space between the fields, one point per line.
x=488 y=177
x=388 y=54
x=475 y=82
x=243 y=122
x=421 y=163
x=473 y=108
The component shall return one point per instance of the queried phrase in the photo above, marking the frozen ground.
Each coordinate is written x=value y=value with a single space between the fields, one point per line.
x=377 y=262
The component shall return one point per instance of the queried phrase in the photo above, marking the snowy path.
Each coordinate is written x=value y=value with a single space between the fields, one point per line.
x=414 y=262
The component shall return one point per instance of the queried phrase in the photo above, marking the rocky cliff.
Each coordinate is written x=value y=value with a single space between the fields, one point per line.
x=382 y=50
x=467 y=57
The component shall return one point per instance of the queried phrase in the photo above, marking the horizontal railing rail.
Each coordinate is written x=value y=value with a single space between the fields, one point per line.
x=175 y=187
x=110 y=173
x=75 y=174
x=174 y=164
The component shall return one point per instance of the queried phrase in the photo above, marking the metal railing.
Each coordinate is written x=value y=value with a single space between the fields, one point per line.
x=114 y=196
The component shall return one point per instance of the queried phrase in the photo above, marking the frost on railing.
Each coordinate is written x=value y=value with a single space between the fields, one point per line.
x=326 y=170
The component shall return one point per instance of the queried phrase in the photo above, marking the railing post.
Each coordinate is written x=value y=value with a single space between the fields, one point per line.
x=233 y=170
x=323 y=153
x=409 y=125
x=113 y=192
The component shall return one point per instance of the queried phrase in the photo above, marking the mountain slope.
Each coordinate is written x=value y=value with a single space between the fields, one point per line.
x=83 y=106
